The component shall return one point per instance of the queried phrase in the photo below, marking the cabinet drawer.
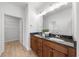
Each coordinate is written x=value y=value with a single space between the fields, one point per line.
x=58 y=54
x=56 y=46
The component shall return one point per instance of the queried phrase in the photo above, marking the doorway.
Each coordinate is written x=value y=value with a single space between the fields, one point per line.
x=12 y=28
x=13 y=34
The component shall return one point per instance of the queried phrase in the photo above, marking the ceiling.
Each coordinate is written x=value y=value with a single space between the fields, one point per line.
x=41 y=6
x=69 y=5
x=20 y=4
x=38 y=6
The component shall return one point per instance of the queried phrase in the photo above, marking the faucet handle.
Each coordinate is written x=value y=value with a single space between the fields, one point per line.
x=58 y=36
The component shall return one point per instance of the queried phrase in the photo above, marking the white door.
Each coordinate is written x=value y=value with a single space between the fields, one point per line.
x=12 y=28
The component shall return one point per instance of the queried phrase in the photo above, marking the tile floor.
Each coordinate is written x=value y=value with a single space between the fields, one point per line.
x=15 y=49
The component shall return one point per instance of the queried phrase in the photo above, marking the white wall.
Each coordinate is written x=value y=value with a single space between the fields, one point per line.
x=77 y=28
x=1 y=32
x=76 y=24
x=34 y=23
x=25 y=27
x=63 y=19
x=12 y=10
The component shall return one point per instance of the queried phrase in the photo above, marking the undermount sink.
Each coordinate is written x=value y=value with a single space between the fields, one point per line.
x=56 y=39
x=38 y=35
x=52 y=38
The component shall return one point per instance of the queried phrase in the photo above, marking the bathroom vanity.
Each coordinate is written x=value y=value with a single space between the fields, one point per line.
x=46 y=47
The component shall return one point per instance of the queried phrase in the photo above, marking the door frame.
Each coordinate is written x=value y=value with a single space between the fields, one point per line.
x=3 y=32
x=20 y=25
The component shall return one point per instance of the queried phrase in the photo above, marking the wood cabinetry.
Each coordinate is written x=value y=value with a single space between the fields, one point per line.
x=58 y=54
x=39 y=51
x=56 y=50
x=45 y=48
x=47 y=52
x=72 y=52
x=34 y=44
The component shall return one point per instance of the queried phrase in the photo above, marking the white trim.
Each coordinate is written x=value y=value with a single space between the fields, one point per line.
x=4 y=26
x=15 y=17
x=74 y=21
x=21 y=29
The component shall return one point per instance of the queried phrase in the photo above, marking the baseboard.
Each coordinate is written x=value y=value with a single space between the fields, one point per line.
x=11 y=40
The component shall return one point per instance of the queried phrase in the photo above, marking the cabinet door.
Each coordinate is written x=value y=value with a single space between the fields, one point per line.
x=58 y=54
x=39 y=51
x=71 y=52
x=34 y=44
x=47 y=52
